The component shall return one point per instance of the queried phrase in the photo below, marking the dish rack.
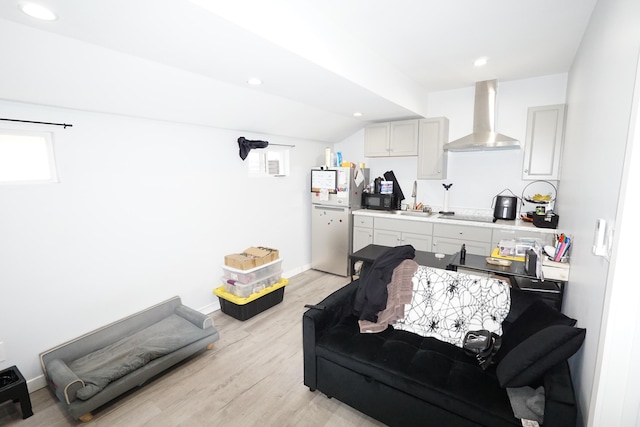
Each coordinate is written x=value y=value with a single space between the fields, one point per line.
x=548 y=203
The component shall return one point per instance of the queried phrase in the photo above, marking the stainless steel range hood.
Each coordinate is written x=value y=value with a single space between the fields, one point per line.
x=484 y=136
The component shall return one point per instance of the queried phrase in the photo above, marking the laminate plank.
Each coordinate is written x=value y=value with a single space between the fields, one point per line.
x=252 y=377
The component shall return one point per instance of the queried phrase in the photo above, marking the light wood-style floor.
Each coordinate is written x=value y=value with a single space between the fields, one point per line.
x=253 y=377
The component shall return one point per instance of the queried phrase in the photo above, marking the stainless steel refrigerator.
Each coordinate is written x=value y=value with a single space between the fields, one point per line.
x=335 y=193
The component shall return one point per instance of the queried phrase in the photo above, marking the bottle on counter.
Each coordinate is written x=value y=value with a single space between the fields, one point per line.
x=463 y=254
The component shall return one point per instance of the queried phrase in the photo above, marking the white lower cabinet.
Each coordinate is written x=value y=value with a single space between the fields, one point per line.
x=398 y=232
x=362 y=237
x=420 y=242
x=435 y=237
x=362 y=232
x=445 y=245
x=449 y=238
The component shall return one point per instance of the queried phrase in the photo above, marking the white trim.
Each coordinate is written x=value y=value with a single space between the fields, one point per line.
x=36 y=383
x=210 y=308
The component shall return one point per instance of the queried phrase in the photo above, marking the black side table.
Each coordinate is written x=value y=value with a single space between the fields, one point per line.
x=550 y=290
x=14 y=387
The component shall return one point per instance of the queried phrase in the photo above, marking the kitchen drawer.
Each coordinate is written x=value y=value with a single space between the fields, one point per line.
x=362 y=221
x=419 y=241
x=446 y=245
x=405 y=226
x=461 y=232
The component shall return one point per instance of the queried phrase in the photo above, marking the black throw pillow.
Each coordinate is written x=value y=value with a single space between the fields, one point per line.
x=538 y=339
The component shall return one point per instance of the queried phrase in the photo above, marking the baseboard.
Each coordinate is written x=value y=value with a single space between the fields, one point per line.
x=210 y=308
x=297 y=270
x=36 y=383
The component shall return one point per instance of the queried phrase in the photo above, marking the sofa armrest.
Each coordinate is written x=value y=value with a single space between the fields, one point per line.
x=64 y=382
x=202 y=321
x=560 y=407
x=316 y=321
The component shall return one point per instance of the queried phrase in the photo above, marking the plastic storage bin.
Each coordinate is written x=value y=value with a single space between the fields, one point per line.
x=243 y=290
x=255 y=274
x=245 y=308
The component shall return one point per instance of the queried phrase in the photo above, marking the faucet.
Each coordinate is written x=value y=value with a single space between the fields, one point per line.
x=414 y=194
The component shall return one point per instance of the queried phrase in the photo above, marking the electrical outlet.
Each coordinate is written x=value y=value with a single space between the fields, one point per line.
x=3 y=355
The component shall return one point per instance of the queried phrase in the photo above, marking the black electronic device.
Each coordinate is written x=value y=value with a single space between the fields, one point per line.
x=379 y=201
x=530 y=262
x=397 y=191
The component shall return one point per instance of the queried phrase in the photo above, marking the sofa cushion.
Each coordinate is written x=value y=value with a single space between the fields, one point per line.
x=424 y=367
x=538 y=339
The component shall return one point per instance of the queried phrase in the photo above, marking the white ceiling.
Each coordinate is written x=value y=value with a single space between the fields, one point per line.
x=320 y=60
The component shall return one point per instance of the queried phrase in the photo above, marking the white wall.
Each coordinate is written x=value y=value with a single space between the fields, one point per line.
x=144 y=210
x=476 y=176
x=600 y=97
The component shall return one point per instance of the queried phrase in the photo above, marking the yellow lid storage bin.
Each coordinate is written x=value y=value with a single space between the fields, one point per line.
x=245 y=308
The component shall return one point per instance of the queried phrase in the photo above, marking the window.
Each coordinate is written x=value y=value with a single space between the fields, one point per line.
x=270 y=161
x=26 y=157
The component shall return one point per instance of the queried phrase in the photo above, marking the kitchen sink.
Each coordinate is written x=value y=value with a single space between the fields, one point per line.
x=416 y=213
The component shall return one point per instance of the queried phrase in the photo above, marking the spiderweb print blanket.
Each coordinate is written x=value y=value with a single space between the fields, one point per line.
x=447 y=304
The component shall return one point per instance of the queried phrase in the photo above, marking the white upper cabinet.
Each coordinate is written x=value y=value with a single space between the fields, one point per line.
x=391 y=139
x=432 y=159
x=376 y=140
x=543 y=145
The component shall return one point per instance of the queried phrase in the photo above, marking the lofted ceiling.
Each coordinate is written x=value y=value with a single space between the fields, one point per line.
x=320 y=60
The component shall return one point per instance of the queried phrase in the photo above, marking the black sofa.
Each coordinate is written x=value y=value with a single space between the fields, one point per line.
x=403 y=379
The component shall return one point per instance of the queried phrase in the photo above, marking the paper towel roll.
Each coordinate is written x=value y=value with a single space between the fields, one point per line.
x=327 y=157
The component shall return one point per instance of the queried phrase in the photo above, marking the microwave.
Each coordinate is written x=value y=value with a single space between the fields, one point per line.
x=379 y=201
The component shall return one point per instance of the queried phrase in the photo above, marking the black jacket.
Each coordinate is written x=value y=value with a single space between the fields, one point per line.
x=371 y=295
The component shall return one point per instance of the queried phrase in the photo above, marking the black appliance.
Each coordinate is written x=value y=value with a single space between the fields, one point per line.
x=506 y=207
x=397 y=191
x=379 y=201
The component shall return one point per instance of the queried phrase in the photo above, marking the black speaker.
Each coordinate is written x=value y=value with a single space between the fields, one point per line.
x=530 y=262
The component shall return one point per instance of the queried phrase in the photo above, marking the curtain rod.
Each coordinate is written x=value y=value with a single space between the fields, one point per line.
x=284 y=145
x=64 y=125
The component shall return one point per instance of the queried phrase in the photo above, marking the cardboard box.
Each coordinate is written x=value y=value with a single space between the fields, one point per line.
x=251 y=258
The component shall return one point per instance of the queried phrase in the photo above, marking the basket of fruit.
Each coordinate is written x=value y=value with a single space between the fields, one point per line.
x=540 y=197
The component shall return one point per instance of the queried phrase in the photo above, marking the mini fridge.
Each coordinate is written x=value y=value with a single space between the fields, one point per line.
x=335 y=193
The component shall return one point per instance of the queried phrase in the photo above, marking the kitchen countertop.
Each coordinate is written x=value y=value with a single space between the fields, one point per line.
x=516 y=224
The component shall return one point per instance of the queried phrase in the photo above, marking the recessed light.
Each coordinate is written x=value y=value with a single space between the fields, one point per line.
x=37 y=11
x=254 y=81
x=357 y=114
x=480 y=62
